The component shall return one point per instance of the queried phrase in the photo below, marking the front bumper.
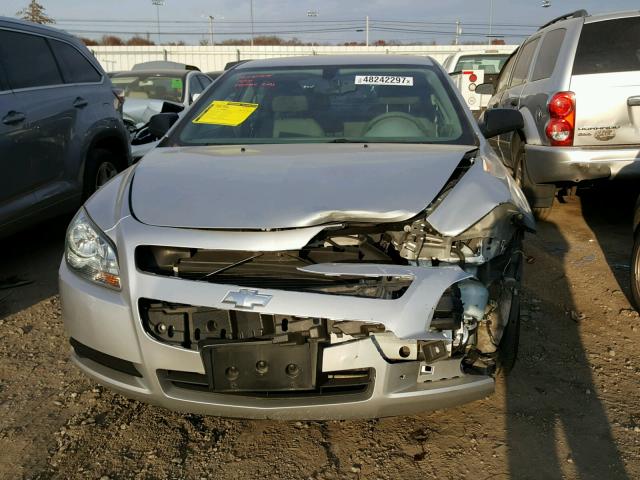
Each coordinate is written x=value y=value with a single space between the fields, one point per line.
x=110 y=322
x=575 y=164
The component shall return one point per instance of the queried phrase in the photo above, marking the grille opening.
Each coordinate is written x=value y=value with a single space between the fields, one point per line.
x=114 y=363
x=188 y=326
x=276 y=270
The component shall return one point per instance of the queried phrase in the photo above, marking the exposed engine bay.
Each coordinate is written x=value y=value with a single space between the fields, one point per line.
x=475 y=320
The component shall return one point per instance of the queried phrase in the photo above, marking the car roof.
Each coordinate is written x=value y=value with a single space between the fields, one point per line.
x=339 y=61
x=36 y=28
x=611 y=16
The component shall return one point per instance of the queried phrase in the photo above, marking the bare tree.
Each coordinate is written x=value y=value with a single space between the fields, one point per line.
x=89 y=42
x=111 y=41
x=138 y=41
x=34 y=12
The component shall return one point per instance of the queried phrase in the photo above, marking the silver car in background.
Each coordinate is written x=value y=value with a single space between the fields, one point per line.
x=316 y=238
x=577 y=84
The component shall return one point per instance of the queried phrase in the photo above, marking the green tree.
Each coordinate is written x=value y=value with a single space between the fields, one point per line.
x=34 y=12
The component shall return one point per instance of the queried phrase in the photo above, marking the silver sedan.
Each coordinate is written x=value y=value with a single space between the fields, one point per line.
x=316 y=238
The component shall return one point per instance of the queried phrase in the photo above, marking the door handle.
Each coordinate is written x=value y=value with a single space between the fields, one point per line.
x=13 y=117
x=80 y=102
x=633 y=101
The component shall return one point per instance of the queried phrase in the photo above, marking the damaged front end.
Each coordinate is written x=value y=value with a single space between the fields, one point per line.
x=445 y=306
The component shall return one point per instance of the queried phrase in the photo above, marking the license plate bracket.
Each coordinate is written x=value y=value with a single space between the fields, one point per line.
x=260 y=366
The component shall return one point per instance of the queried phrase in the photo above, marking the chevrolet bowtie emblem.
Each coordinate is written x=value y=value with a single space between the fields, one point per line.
x=247 y=299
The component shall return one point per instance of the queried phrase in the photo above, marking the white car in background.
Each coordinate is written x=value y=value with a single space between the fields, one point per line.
x=471 y=68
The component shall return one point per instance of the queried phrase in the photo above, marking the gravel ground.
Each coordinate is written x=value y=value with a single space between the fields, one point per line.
x=570 y=409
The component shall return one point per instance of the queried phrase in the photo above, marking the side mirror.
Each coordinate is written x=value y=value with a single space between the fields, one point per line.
x=486 y=89
x=160 y=123
x=496 y=121
x=194 y=97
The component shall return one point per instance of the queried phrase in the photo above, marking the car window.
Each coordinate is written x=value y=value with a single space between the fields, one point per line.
x=195 y=86
x=505 y=73
x=150 y=86
x=521 y=69
x=4 y=86
x=28 y=60
x=205 y=81
x=412 y=104
x=487 y=62
x=548 y=55
x=608 y=46
x=75 y=67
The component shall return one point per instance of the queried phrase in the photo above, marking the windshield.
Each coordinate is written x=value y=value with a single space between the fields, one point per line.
x=412 y=104
x=487 y=63
x=159 y=87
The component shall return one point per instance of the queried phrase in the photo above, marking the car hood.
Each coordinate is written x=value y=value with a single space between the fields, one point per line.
x=268 y=187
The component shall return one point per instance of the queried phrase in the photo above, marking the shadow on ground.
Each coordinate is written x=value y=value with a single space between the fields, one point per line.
x=608 y=210
x=557 y=425
x=30 y=262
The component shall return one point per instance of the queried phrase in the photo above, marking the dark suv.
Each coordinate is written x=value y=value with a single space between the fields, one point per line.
x=576 y=82
x=61 y=129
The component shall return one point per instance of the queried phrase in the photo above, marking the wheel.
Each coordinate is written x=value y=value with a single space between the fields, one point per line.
x=536 y=194
x=101 y=166
x=508 y=351
x=635 y=270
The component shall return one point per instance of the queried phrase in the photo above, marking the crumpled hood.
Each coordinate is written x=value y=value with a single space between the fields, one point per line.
x=289 y=186
x=140 y=110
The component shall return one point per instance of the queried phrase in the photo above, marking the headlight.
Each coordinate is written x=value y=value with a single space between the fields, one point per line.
x=90 y=253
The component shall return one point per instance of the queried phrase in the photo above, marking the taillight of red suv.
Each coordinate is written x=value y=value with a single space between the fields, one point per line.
x=562 y=122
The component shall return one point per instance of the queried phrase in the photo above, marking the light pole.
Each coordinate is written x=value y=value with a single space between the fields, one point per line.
x=366 y=28
x=490 y=20
x=252 y=23
x=211 y=19
x=458 y=32
x=158 y=4
x=313 y=14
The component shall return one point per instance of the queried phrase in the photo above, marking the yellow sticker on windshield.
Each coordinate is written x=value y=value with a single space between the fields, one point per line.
x=230 y=114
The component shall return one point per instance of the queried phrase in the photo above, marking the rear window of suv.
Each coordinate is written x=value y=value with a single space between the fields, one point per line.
x=609 y=46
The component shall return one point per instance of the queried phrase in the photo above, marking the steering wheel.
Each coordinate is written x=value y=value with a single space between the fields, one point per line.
x=396 y=120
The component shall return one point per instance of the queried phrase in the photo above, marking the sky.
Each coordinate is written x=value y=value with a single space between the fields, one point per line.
x=334 y=21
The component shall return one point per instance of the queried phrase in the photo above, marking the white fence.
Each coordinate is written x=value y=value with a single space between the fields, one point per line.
x=214 y=58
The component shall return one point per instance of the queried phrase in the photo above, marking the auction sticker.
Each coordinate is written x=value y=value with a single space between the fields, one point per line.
x=384 y=80
x=230 y=114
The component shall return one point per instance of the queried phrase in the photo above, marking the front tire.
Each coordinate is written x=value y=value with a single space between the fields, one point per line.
x=508 y=350
x=102 y=166
x=635 y=271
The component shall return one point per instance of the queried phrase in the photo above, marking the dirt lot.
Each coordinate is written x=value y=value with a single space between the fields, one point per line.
x=571 y=408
